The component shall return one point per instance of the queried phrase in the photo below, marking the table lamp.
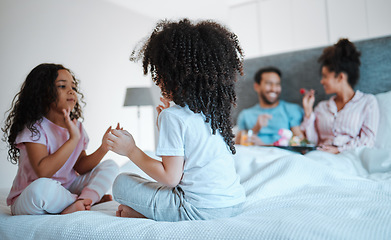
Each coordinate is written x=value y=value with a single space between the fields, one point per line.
x=138 y=97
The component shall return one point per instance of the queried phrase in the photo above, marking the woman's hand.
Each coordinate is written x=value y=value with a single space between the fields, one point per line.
x=74 y=132
x=160 y=108
x=121 y=142
x=329 y=149
x=308 y=102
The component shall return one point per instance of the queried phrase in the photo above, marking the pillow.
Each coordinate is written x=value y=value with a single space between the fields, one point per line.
x=383 y=138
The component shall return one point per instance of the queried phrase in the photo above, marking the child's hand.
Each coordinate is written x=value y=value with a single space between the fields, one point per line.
x=121 y=142
x=74 y=132
x=160 y=108
x=105 y=145
x=119 y=127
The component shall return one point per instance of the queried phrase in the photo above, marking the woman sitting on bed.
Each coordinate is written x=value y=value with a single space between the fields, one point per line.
x=348 y=119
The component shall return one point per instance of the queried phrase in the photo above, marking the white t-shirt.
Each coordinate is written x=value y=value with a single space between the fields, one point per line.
x=209 y=178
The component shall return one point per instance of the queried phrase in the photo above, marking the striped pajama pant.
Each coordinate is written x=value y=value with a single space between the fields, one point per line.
x=46 y=195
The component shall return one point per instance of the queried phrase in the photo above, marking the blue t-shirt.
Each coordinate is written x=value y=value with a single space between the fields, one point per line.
x=285 y=115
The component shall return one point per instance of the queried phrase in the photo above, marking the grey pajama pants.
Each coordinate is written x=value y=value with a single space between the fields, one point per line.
x=162 y=203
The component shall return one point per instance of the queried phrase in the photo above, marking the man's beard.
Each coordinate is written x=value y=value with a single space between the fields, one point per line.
x=264 y=98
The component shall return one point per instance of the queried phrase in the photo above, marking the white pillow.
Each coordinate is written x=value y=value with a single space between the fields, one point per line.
x=383 y=138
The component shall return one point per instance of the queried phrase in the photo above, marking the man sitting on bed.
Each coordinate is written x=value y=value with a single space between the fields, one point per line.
x=271 y=114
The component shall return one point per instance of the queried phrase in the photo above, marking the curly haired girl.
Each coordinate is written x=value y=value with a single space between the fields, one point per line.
x=55 y=175
x=195 y=66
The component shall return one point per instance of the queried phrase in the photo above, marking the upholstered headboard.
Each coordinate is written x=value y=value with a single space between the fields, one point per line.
x=300 y=69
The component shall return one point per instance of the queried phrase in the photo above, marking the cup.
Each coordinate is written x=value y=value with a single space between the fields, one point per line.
x=245 y=138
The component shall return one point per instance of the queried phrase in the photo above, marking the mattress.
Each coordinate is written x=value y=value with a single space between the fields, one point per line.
x=289 y=196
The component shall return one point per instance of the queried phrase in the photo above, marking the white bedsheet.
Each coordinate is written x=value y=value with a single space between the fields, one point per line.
x=289 y=196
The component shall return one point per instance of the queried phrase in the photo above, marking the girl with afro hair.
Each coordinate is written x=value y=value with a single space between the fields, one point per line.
x=196 y=66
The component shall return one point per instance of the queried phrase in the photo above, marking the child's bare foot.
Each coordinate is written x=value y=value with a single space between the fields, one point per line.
x=125 y=211
x=78 y=205
x=105 y=198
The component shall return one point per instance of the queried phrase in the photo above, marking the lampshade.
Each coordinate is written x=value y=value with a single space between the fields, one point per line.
x=138 y=97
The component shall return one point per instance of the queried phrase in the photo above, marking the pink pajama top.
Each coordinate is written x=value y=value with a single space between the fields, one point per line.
x=353 y=126
x=53 y=137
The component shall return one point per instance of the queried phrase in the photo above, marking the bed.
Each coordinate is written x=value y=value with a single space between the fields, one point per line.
x=289 y=195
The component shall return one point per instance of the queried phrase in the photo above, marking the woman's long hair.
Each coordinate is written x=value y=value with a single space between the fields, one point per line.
x=32 y=103
x=196 y=65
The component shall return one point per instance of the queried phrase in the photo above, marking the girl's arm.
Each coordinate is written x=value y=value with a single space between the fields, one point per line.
x=46 y=165
x=86 y=163
x=168 y=171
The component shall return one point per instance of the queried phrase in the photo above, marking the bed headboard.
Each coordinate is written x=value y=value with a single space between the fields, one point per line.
x=300 y=69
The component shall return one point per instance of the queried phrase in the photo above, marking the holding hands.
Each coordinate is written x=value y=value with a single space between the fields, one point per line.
x=105 y=143
x=120 y=141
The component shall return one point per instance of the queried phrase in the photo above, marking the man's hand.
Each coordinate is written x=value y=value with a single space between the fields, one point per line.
x=256 y=140
x=262 y=121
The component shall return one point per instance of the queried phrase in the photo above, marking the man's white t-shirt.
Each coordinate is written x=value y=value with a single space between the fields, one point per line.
x=209 y=178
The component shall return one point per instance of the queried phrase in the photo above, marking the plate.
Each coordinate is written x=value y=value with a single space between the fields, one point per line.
x=299 y=149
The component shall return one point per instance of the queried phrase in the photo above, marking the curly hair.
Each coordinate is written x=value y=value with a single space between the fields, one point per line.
x=32 y=103
x=342 y=57
x=196 y=65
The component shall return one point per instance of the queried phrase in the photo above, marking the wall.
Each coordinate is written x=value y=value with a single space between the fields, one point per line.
x=268 y=27
x=91 y=37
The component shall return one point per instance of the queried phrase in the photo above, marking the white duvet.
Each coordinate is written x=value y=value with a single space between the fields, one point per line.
x=289 y=196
